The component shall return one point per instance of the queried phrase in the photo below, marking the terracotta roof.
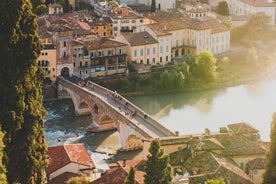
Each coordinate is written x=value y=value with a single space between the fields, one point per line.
x=171 y=21
x=97 y=42
x=62 y=155
x=118 y=173
x=141 y=38
x=179 y=157
x=125 y=14
x=212 y=164
x=257 y=163
x=61 y=179
x=242 y=128
x=267 y=145
x=55 y=5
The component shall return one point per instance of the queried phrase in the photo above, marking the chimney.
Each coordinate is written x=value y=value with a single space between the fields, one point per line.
x=124 y=162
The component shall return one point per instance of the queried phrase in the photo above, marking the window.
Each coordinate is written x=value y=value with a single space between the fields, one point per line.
x=120 y=51
x=153 y=60
x=147 y=61
x=115 y=28
x=135 y=53
x=255 y=172
x=148 y=51
x=153 y=50
x=133 y=21
x=161 y=49
x=64 y=44
x=160 y=59
x=167 y=48
x=141 y=52
x=141 y=21
x=167 y=58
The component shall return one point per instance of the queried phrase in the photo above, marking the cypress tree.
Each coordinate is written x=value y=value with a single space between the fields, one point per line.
x=270 y=171
x=130 y=179
x=156 y=166
x=153 y=6
x=3 y=178
x=21 y=108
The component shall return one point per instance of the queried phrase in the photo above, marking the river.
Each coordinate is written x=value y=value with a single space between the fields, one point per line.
x=188 y=113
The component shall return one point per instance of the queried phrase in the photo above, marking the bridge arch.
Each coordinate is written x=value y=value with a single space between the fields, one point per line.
x=83 y=105
x=63 y=93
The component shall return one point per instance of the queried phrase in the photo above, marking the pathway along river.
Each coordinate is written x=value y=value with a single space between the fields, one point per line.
x=188 y=113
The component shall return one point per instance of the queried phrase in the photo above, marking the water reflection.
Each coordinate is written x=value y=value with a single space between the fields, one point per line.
x=191 y=113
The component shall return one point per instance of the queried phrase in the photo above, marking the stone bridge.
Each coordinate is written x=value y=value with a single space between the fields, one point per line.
x=109 y=110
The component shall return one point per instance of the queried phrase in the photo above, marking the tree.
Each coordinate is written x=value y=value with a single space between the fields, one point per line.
x=79 y=180
x=21 y=108
x=130 y=179
x=156 y=166
x=3 y=177
x=36 y=3
x=215 y=181
x=205 y=67
x=40 y=9
x=252 y=56
x=222 y=8
x=153 y=6
x=269 y=176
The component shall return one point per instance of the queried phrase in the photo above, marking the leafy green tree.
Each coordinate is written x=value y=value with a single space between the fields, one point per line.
x=228 y=23
x=215 y=181
x=79 y=180
x=252 y=56
x=269 y=176
x=205 y=67
x=156 y=167
x=36 y=3
x=40 y=9
x=222 y=8
x=153 y=6
x=66 y=6
x=21 y=108
x=3 y=177
x=130 y=179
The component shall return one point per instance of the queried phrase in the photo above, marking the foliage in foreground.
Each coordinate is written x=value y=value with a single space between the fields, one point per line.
x=79 y=180
x=21 y=109
x=215 y=181
x=269 y=176
x=156 y=166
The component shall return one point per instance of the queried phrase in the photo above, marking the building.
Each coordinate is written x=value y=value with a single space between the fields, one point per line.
x=160 y=4
x=102 y=26
x=247 y=7
x=55 y=9
x=229 y=153
x=143 y=48
x=68 y=160
x=191 y=33
x=125 y=21
x=57 y=33
x=48 y=56
x=256 y=169
x=98 y=56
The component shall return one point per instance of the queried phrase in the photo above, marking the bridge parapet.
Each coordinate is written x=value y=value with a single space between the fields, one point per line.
x=136 y=109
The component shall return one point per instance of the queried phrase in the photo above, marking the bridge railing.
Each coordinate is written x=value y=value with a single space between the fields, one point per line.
x=133 y=107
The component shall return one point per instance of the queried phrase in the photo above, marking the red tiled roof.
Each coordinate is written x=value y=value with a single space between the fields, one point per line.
x=242 y=128
x=141 y=38
x=61 y=179
x=257 y=163
x=118 y=175
x=55 y=5
x=62 y=155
